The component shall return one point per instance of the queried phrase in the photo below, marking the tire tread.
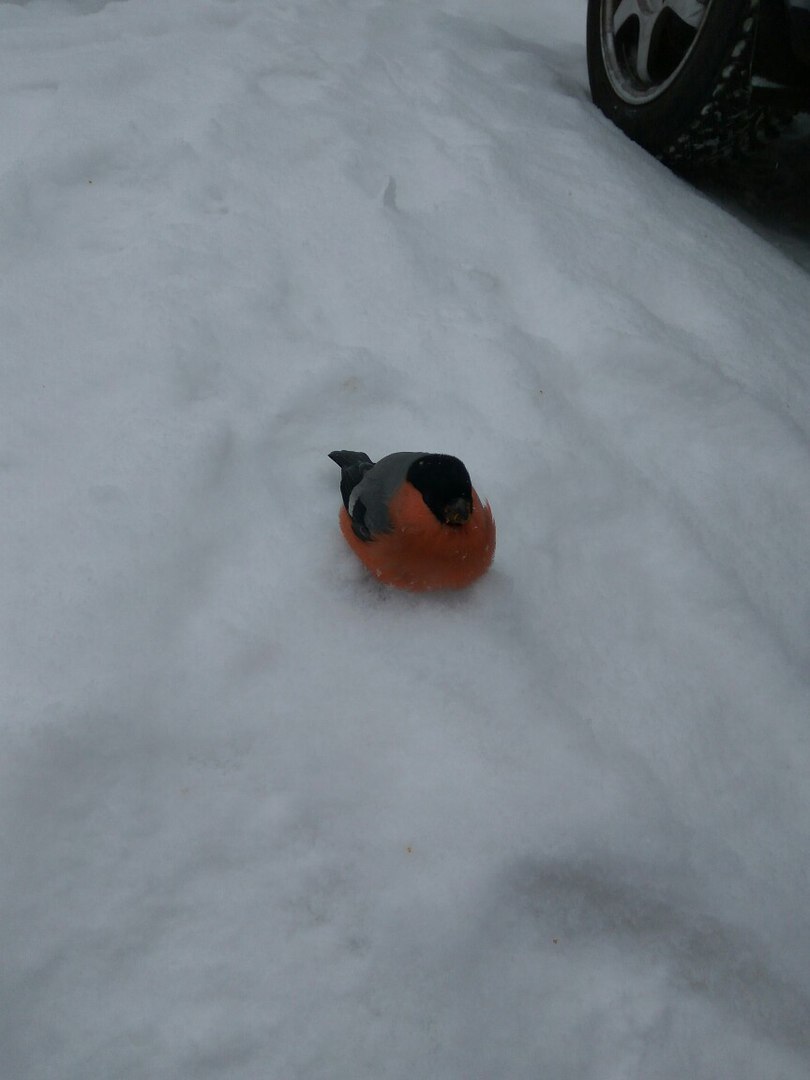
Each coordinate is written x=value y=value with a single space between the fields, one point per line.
x=729 y=125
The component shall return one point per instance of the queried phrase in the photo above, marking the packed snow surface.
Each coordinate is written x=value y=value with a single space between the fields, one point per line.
x=262 y=819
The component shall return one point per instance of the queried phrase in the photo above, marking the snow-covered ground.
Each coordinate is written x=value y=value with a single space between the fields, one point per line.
x=260 y=819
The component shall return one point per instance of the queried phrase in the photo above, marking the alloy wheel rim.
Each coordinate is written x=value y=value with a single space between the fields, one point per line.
x=645 y=44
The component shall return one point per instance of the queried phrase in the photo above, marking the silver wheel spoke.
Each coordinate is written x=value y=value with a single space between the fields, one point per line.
x=645 y=31
x=689 y=11
x=626 y=10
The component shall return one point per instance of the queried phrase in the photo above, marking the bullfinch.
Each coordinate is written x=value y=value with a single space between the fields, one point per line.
x=415 y=520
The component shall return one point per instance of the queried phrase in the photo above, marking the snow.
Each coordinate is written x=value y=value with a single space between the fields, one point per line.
x=261 y=818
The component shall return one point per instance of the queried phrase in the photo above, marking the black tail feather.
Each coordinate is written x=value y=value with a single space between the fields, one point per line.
x=354 y=465
x=347 y=458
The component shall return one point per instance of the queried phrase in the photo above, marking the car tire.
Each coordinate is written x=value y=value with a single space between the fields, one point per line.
x=675 y=75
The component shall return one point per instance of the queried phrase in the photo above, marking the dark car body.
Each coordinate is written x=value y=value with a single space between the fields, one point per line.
x=799 y=22
x=783 y=47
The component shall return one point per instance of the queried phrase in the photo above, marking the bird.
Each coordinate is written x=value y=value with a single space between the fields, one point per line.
x=414 y=520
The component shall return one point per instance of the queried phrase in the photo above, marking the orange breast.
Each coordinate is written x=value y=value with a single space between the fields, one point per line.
x=420 y=553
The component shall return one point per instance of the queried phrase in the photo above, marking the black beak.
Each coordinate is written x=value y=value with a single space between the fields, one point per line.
x=457 y=511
